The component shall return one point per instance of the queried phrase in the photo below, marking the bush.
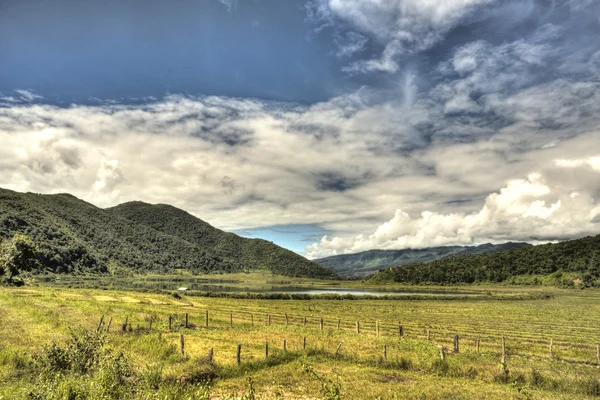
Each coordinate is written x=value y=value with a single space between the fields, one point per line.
x=81 y=354
x=536 y=379
x=591 y=387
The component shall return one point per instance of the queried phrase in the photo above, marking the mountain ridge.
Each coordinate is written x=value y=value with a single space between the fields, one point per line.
x=75 y=236
x=362 y=264
x=568 y=263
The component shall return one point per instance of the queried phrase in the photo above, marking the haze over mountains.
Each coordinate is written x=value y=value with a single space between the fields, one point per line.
x=77 y=237
x=368 y=262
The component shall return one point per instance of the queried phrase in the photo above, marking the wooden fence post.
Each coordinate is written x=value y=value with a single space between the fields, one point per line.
x=385 y=352
x=428 y=334
x=239 y=354
x=170 y=322
x=124 y=326
x=207 y=318
x=286 y=319
x=304 y=321
x=598 y=354
x=186 y=320
x=400 y=330
x=100 y=323
x=337 y=350
x=338 y=325
x=182 y=344
x=231 y=320
x=377 y=327
x=150 y=324
x=252 y=319
x=304 y=343
x=503 y=358
x=442 y=353
x=321 y=323
x=108 y=325
x=551 y=349
x=357 y=327
x=284 y=346
x=266 y=350
x=268 y=319
x=456 y=343
x=477 y=342
x=210 y=355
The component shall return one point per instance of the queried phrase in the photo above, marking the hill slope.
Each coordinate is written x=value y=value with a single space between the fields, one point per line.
x=75 y=236
x=581 y=257
x=368 y=262
x=247 y=253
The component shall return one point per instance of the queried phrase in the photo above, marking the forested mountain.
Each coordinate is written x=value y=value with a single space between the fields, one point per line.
x=247 y=253
x=75 y=236
x=367 y=262
x=580 y=257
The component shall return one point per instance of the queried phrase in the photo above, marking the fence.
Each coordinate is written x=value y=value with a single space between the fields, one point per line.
x=226 y=319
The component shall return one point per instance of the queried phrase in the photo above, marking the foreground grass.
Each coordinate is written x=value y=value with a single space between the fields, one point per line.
x=153 y=367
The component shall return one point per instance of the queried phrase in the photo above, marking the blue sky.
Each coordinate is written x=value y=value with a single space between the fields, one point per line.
x=327 y=126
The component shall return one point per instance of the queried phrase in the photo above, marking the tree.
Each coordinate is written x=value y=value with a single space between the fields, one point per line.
x=16 y=255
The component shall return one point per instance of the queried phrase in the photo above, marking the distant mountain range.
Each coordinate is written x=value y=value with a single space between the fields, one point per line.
x=77 y=237
x=368 y=262
x=570 y=263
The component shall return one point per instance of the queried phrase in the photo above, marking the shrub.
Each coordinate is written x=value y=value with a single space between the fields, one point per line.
x=591 y=387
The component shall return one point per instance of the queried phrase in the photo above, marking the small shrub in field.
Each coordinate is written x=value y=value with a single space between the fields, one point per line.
x=591 y=387
x=62 y=387
x=112 y=376
x=440 y=367
x=14 y=359
x=172 y=391
x=192 y=372
x=470 y=372
x=536 y=379
x=81 y=354
x=330 y=389
x=152 y=378
x=506 y=377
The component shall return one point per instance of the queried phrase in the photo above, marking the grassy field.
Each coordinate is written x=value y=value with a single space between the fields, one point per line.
x=152 y=366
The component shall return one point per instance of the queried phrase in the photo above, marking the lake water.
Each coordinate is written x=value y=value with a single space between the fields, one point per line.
x=233 y=286
x=316 y=290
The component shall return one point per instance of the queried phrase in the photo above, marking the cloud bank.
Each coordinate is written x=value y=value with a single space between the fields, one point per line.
x=484 y=129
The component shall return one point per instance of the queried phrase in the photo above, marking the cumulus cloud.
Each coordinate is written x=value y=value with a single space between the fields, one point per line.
x=525 y=209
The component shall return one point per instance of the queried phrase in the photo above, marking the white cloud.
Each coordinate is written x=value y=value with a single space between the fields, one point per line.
x=400 y=26
x=526 y=209
x=28 y=95
x=593 y=162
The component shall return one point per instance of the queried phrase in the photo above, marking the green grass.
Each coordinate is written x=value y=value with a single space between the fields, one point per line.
x=33 y=317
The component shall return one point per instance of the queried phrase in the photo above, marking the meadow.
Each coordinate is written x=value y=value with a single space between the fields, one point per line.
x=72 y=343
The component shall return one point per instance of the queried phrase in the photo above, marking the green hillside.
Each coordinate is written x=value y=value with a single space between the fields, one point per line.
x=243 y=252
x=567 y=262
x=368 y=262
x=76 y=237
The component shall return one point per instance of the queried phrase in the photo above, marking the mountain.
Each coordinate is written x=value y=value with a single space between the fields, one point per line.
x=246 y=253
x=368 y=262
x=77 y=237
x=575 y=260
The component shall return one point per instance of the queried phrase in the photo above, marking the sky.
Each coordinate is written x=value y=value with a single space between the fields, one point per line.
x=326 y=126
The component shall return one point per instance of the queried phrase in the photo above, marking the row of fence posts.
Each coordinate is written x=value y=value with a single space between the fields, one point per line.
x=456 y=339
x=268 y=323
x=239 y=349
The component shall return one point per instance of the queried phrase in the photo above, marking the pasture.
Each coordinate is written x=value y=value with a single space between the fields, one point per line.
x=350 y=349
